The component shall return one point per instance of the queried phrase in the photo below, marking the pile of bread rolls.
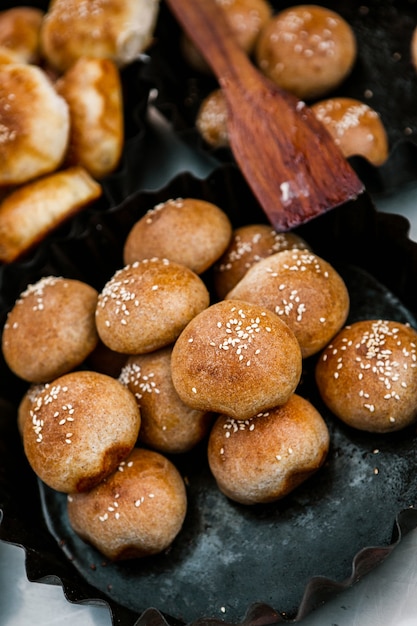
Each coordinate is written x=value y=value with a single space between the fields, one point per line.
x=309 y=51
x=197 y=343
x=61 y=109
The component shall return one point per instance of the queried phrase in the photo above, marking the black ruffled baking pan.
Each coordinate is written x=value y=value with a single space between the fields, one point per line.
x=230 y=563
x=383 y=77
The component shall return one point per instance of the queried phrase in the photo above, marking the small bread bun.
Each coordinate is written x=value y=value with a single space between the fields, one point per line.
x=413 y=48
x=20 y=32
x=119 y=30
x=355 y=127
x=250 y=244
x=236 y=358
x=264 y=458
x=145 y=305
x=367 y=375
x=82 y=426
x=189 y=231
x=51 y=329
x=168 y=425
x=212 y=120
x=136 y=512
x=304 y=290
x=34 y=210
x=245 y=18
x=34 y=123
x=307 y=50
x=93 y=92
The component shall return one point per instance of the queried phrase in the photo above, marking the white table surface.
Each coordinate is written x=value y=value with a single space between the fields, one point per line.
x=387 y=596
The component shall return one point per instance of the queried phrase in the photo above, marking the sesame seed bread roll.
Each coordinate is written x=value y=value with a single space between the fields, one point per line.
x=136 y=512
x=367 y=375
x=34 y=123
x=212 y=120
x=119 y=30
x=236 y=358
x=20 y=32
x=355 y=127
x=51 y=329
x=248 y=245
x=189 y=231
x=82 y=426
x=265 y=457
x=304 y=290
x=92 y=89
x=307 y=50
x=34 y=210
x=146 y=305
x=168 y=425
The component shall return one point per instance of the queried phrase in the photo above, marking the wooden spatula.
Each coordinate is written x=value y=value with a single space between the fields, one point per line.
x=288 y=158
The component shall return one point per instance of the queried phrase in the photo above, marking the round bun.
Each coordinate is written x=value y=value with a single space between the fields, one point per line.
x=355 y=127
x=236 y=358
x=264 y=458
x=250 y=244
x=245 y=18
x=168 y=425
x=189 y=231
x=136 y=512
x=20 y=32
x=304 y=290
x=145 y=305
x=212 y=120
x=93 y=92
x=367 y=376
x=307 y=50
x=51 y=329
x=34 y=123
x=119 y=30
x=82 y=426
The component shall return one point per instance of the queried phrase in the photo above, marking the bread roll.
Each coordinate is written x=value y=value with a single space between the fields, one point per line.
x=92 y=89
x=189 y=231
x=304 y=290
x=264 y=458
x=34 y=124
x=51 y=329
x=168 y=425
x=20 y=32
x=367 y=375
x=119 y=30
x=307 y=50
x=235 y=358
x=136 y=512
x=34 y=210
x=83 y=425
x=248 y=245
x=212 y=120
x=145 y=305
x=355 y=127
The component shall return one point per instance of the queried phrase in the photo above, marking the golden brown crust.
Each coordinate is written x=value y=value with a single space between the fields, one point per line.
x=367 y=375
x=27 y=404
x=250 y=244
x=263 y=458
x=20 y=32
x=138 y=511
x=34 y=124
x=304 y=290
x=355 y=127
x=168 y=425
x=235 y=358
x=413 y=48
x=189 y=231
x=212 y=120
x=83 y=425
x=307 y=50
x=51 y=329
x=34 y=210
x=93 y=92
x=119 y=30
x=145 y=305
